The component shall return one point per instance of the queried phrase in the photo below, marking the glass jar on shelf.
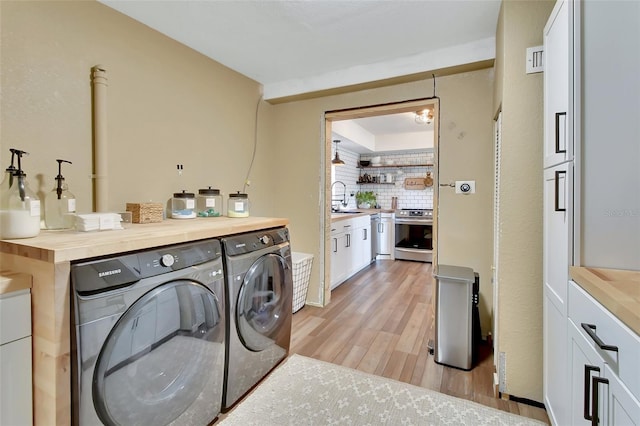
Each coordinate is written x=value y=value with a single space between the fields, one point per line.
x=209 y=203
x=238 y=205
x=183 y=205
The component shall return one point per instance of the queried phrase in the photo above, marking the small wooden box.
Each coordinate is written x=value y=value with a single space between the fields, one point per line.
x=145 y=212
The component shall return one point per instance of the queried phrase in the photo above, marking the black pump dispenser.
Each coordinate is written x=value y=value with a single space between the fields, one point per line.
x=11 y=170
x=60 y=178
x=19 y=173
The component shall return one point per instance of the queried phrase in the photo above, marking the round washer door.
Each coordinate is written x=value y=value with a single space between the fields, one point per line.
x=261 y=308
x=159 y=359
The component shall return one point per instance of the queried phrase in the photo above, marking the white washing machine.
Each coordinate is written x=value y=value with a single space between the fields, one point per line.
x=148 y=337
x=259 y=308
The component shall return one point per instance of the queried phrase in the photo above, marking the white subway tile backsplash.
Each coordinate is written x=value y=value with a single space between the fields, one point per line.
x=407 y=199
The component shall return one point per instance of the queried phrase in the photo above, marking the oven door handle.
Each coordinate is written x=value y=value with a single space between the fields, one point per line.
x=414 y=221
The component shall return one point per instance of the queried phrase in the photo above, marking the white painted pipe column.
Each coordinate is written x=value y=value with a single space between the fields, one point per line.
x=100 y=183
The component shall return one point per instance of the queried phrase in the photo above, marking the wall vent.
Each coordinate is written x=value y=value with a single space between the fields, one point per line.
x=535 y=58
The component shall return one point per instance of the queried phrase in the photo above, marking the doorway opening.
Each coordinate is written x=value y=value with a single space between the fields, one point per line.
x=339 y=123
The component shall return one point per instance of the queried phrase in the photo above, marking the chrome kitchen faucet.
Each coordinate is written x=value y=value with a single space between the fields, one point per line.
x=342 y=200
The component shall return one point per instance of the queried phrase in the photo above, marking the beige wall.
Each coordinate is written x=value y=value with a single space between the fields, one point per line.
x=466 y=153
x=520 y=254
x=167 y=104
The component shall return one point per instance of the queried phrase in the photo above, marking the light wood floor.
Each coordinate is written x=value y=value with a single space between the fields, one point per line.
x=380 y=321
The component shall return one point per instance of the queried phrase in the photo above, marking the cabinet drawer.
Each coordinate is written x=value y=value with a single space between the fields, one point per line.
x=342 y=226
x=584 y=309
x=15 y=316
x=361 y=221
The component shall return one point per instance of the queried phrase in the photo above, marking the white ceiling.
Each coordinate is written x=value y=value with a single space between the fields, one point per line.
x=297 y=47
x=380 y=126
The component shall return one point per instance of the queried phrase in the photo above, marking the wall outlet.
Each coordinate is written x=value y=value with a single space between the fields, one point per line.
x=465 y=187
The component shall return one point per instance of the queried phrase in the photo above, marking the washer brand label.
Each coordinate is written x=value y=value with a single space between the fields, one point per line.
x=111 y=272
x=241 y=245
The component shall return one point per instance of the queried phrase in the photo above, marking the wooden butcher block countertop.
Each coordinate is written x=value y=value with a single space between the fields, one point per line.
x=12 y=281
x=46 y=259
x=617 y=290
x=338 y=216
x=60 y=246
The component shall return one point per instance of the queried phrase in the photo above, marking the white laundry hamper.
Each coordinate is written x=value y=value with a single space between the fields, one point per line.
x=301 y=274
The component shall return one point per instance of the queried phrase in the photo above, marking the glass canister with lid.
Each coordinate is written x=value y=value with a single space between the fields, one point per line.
x=209 y=203
x=183 y=205
x=238 y=205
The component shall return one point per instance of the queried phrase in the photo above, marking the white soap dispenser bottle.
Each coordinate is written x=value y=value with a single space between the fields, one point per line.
x=19 y=207
x=60 y=204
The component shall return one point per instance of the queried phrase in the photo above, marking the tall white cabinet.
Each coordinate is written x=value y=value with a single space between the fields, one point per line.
x=558 y=205
x=591 y=201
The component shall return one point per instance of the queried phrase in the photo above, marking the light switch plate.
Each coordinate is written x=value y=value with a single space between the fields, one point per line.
x=465 y=187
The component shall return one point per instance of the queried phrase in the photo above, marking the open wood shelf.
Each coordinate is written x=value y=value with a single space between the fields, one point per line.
x=383 y=166
x=375 y=183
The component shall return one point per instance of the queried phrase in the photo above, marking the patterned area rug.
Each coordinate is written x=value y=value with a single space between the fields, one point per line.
x=305 y=391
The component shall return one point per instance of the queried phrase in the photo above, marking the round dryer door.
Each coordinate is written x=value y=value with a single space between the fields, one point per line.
x=261 y=309
x=156 y=365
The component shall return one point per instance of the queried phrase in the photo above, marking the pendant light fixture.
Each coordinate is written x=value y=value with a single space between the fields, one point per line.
x=424 y=117
x=336 y=160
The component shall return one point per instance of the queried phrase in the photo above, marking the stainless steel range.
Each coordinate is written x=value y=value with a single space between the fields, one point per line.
x=414 y=235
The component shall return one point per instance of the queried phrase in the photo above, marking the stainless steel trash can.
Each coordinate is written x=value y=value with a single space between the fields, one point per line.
x=455 y=342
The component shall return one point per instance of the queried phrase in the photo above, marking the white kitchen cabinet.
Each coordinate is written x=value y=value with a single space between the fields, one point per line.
x=620 y=406
x=361 y=243
x=558 y=206
x=585 y=364
x=601 y=346
x=558 y=77
x=386 y=236
x=340 y=252
x=15 y=359
x=557 y=210
x=555 y=361
x=350 y=248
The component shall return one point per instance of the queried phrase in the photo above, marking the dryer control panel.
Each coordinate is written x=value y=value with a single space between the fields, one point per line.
x=247 y=243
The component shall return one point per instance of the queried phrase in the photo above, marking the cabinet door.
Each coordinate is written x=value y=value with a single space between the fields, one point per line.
x=557 y=88
x=15 y=382
x=347 y=254
x=555 y=362
x=365 y=241
x=335 y=259
x=621 y=407
x=361 y=248
x=340 y=258
x=385 y=237
x=557 y=208
x=585 y=363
